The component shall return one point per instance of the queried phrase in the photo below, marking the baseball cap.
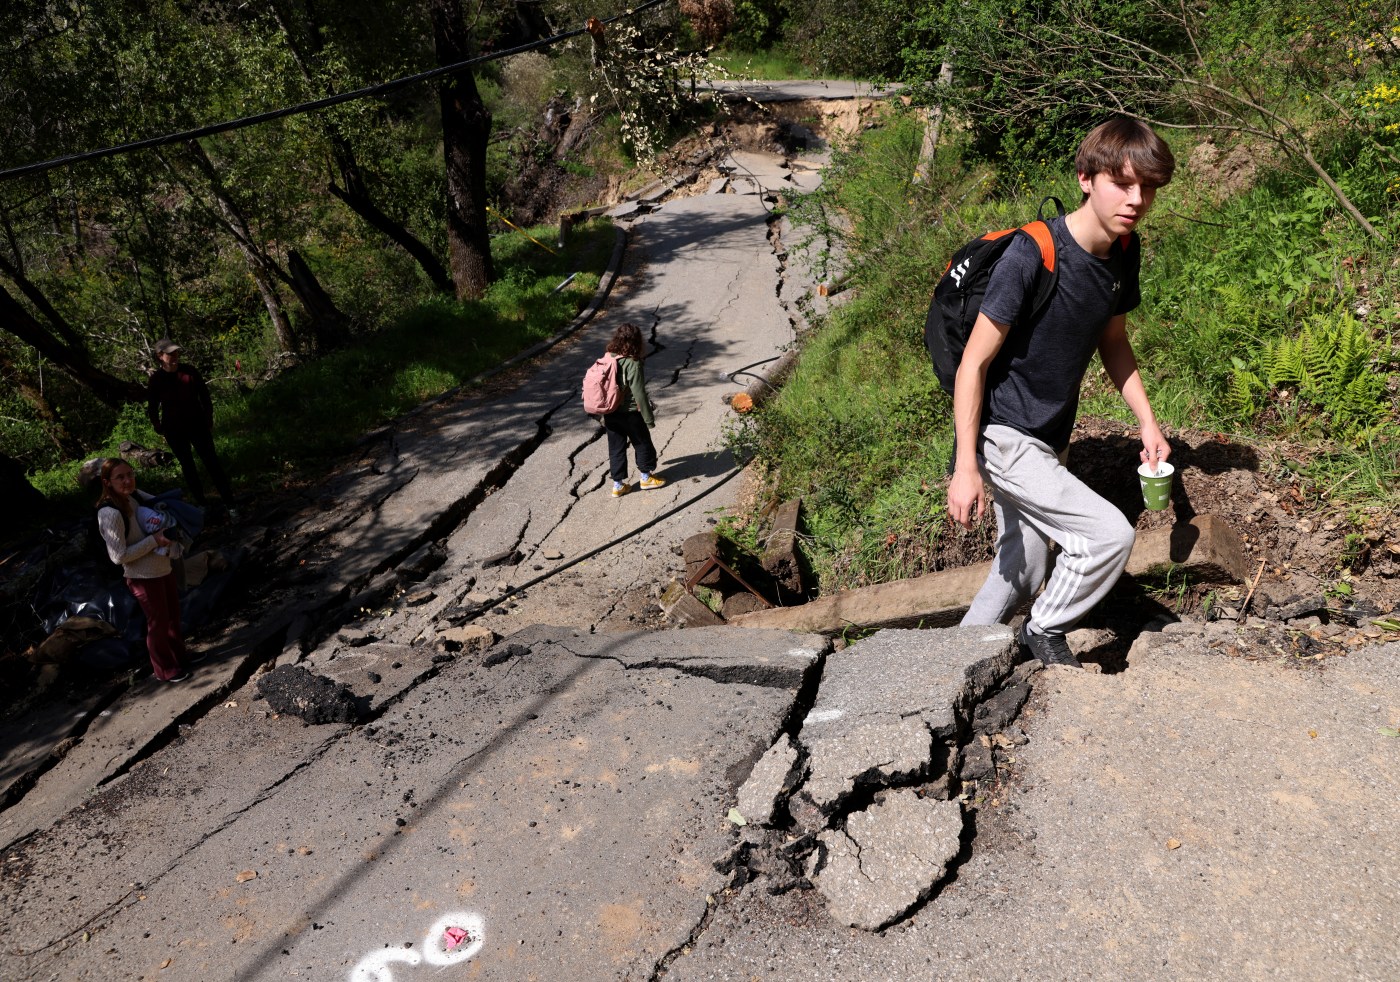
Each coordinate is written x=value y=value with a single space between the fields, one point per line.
x=165 y=346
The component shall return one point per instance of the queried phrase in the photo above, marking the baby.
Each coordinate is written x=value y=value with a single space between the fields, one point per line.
x=154 y=520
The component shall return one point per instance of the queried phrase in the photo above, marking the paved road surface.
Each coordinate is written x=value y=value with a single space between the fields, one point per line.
x=563 y=796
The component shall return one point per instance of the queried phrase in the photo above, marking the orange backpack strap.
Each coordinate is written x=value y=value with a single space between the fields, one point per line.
x=1040 y=233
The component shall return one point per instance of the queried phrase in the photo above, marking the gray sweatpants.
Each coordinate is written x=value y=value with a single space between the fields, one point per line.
x=1038 y=501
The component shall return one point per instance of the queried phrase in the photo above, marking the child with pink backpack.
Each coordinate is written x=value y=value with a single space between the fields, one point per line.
x=615 y=393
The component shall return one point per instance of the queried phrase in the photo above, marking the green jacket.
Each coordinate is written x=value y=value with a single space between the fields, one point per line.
x=633 y=378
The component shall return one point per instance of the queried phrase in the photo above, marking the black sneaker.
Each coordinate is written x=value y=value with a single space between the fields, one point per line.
x=1051 y=649
x=179 y=678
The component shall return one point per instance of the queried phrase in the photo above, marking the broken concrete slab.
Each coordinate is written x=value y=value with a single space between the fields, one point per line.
x=716 y=653
x=1205 y=547
x=887 y=707
x=888 y=859
x=761 y=795
x=781 y=559
x=655 y=192
x=687 y=609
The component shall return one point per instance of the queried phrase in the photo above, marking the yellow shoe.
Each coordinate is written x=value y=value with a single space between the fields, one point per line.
x=647 y=483
x=620 y=489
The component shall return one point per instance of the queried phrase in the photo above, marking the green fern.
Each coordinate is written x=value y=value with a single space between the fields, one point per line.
x=1241 y=398
x=1282 y=362
x=1338 y=360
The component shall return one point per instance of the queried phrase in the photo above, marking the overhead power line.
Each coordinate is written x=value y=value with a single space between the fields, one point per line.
x=382 y=89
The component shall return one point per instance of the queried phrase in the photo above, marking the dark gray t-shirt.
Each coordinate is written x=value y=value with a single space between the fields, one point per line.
x=1033 y=383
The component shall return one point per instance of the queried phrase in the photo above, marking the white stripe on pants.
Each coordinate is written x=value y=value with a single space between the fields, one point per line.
x=1038 y=501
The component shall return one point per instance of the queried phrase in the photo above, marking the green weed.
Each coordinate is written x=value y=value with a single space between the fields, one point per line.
x=776 y=64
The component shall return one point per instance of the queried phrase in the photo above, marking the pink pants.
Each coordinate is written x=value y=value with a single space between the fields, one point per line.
x=160 y=601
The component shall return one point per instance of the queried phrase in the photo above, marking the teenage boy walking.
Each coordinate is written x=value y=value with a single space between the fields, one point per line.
x=1017 y=392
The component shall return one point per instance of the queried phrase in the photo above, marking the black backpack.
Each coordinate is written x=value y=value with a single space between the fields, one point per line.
x=95 y=547
x=958 y=297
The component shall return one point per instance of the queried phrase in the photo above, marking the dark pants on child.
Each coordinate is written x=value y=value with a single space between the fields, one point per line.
x=622 y=428
x=183 y=445
x=160 y=602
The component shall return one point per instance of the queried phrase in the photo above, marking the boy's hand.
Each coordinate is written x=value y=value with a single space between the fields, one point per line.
x=967 y=501
x=1155 y=448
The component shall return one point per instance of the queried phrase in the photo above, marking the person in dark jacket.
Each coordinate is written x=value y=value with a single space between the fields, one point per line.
x=180 y=409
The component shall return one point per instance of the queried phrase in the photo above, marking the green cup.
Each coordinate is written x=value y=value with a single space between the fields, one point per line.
x=1156 y=485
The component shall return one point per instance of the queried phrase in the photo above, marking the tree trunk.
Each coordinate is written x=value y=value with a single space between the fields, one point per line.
x=355 y=193
x=66 y=332
x=330 y=326
x=364 y=206
x=932 y=125
x=264 y=269
x=466 y=127
x=71 y=358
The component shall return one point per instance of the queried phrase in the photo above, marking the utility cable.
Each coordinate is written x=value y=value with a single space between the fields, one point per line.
x=383 y=88
x=734 y=375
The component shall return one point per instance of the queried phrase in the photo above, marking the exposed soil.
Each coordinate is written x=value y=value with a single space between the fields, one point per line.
x=1302 y=539
x=1325 y=571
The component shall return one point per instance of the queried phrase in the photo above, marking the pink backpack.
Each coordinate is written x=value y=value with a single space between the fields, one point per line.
x=602 y=393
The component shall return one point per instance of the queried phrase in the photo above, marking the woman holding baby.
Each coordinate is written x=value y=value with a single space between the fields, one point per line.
x=146 y=562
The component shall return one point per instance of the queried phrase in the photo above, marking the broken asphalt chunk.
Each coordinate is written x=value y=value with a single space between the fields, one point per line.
x=771 y=780
x=889 y=707
x=888 y=859
x=291 y=690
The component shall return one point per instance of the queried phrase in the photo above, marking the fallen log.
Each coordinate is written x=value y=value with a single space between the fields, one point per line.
x=764 y=386
x=1205 y=547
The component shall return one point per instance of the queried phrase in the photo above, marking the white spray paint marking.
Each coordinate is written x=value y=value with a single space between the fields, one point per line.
x=1005 y=636
x=825 y=715
x=802 y=653
x=374 y=967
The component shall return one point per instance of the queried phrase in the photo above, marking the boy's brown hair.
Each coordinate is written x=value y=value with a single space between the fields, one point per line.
x=627 y=342
x=1120 y=141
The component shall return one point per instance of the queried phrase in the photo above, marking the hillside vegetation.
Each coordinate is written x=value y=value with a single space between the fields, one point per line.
x=1270 y=273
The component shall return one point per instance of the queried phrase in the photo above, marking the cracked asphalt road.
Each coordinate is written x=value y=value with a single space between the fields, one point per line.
x=562 y=801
